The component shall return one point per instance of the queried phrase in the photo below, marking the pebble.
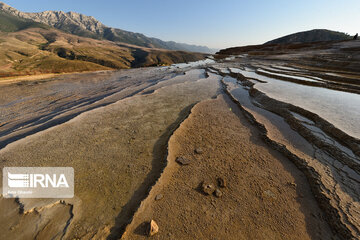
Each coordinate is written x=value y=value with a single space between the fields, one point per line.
x=221 y=182
x=182 y=161
x=153 y=228
x=270 y=194
x=218 y=193
x=198 y=151
x=292 y=184
x=159 y=197
x=208 y=188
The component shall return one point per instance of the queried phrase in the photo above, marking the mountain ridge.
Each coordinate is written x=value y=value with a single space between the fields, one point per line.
x=34 y=51
x=88 y=26
x=31 y=48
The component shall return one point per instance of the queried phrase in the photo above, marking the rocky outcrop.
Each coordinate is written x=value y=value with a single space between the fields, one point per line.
x=71 y=22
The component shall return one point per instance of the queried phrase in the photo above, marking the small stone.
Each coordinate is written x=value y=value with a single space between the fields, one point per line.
x=182 y=161
x=269 y=194
x=218 y=193
x=198 y=151
x=159 y=197
x=292 y=184
x=221 y=182
x=208 y=188
x=153 y=228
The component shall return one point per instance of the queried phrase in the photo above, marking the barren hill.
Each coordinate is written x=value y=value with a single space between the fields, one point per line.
x=316 y=35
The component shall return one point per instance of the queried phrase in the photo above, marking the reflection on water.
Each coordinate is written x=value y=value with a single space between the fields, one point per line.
x=342 y=109
x=199 y=63
x=276 y=126
x=302 y=118
x=246 y=73
x=290 y=76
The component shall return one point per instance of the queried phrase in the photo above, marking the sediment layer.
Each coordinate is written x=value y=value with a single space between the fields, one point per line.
x=265 y=193
x=123 y=131
x=116 y=150
x=327 y=166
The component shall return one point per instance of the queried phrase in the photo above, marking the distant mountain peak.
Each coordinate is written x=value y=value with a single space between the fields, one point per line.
x=69 y=21
x=5 y=7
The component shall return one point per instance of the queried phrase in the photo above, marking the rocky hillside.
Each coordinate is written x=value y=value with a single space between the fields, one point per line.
x=87 y=26
x=29 y=47
x=316 y=35
x=10 y=23
x=33 y=51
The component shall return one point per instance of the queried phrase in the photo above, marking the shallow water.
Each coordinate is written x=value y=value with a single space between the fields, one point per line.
x=277 y=127
x=199 y=63
x=290 y=76
x=246 y=73
x=342 y=109
x=286 y=68
x=323 y=136
x=117 y=150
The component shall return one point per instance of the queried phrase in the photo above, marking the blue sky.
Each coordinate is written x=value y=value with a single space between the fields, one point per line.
x=214 y=23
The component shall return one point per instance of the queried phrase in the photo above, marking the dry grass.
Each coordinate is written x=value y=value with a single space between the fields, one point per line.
x=42 y=51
